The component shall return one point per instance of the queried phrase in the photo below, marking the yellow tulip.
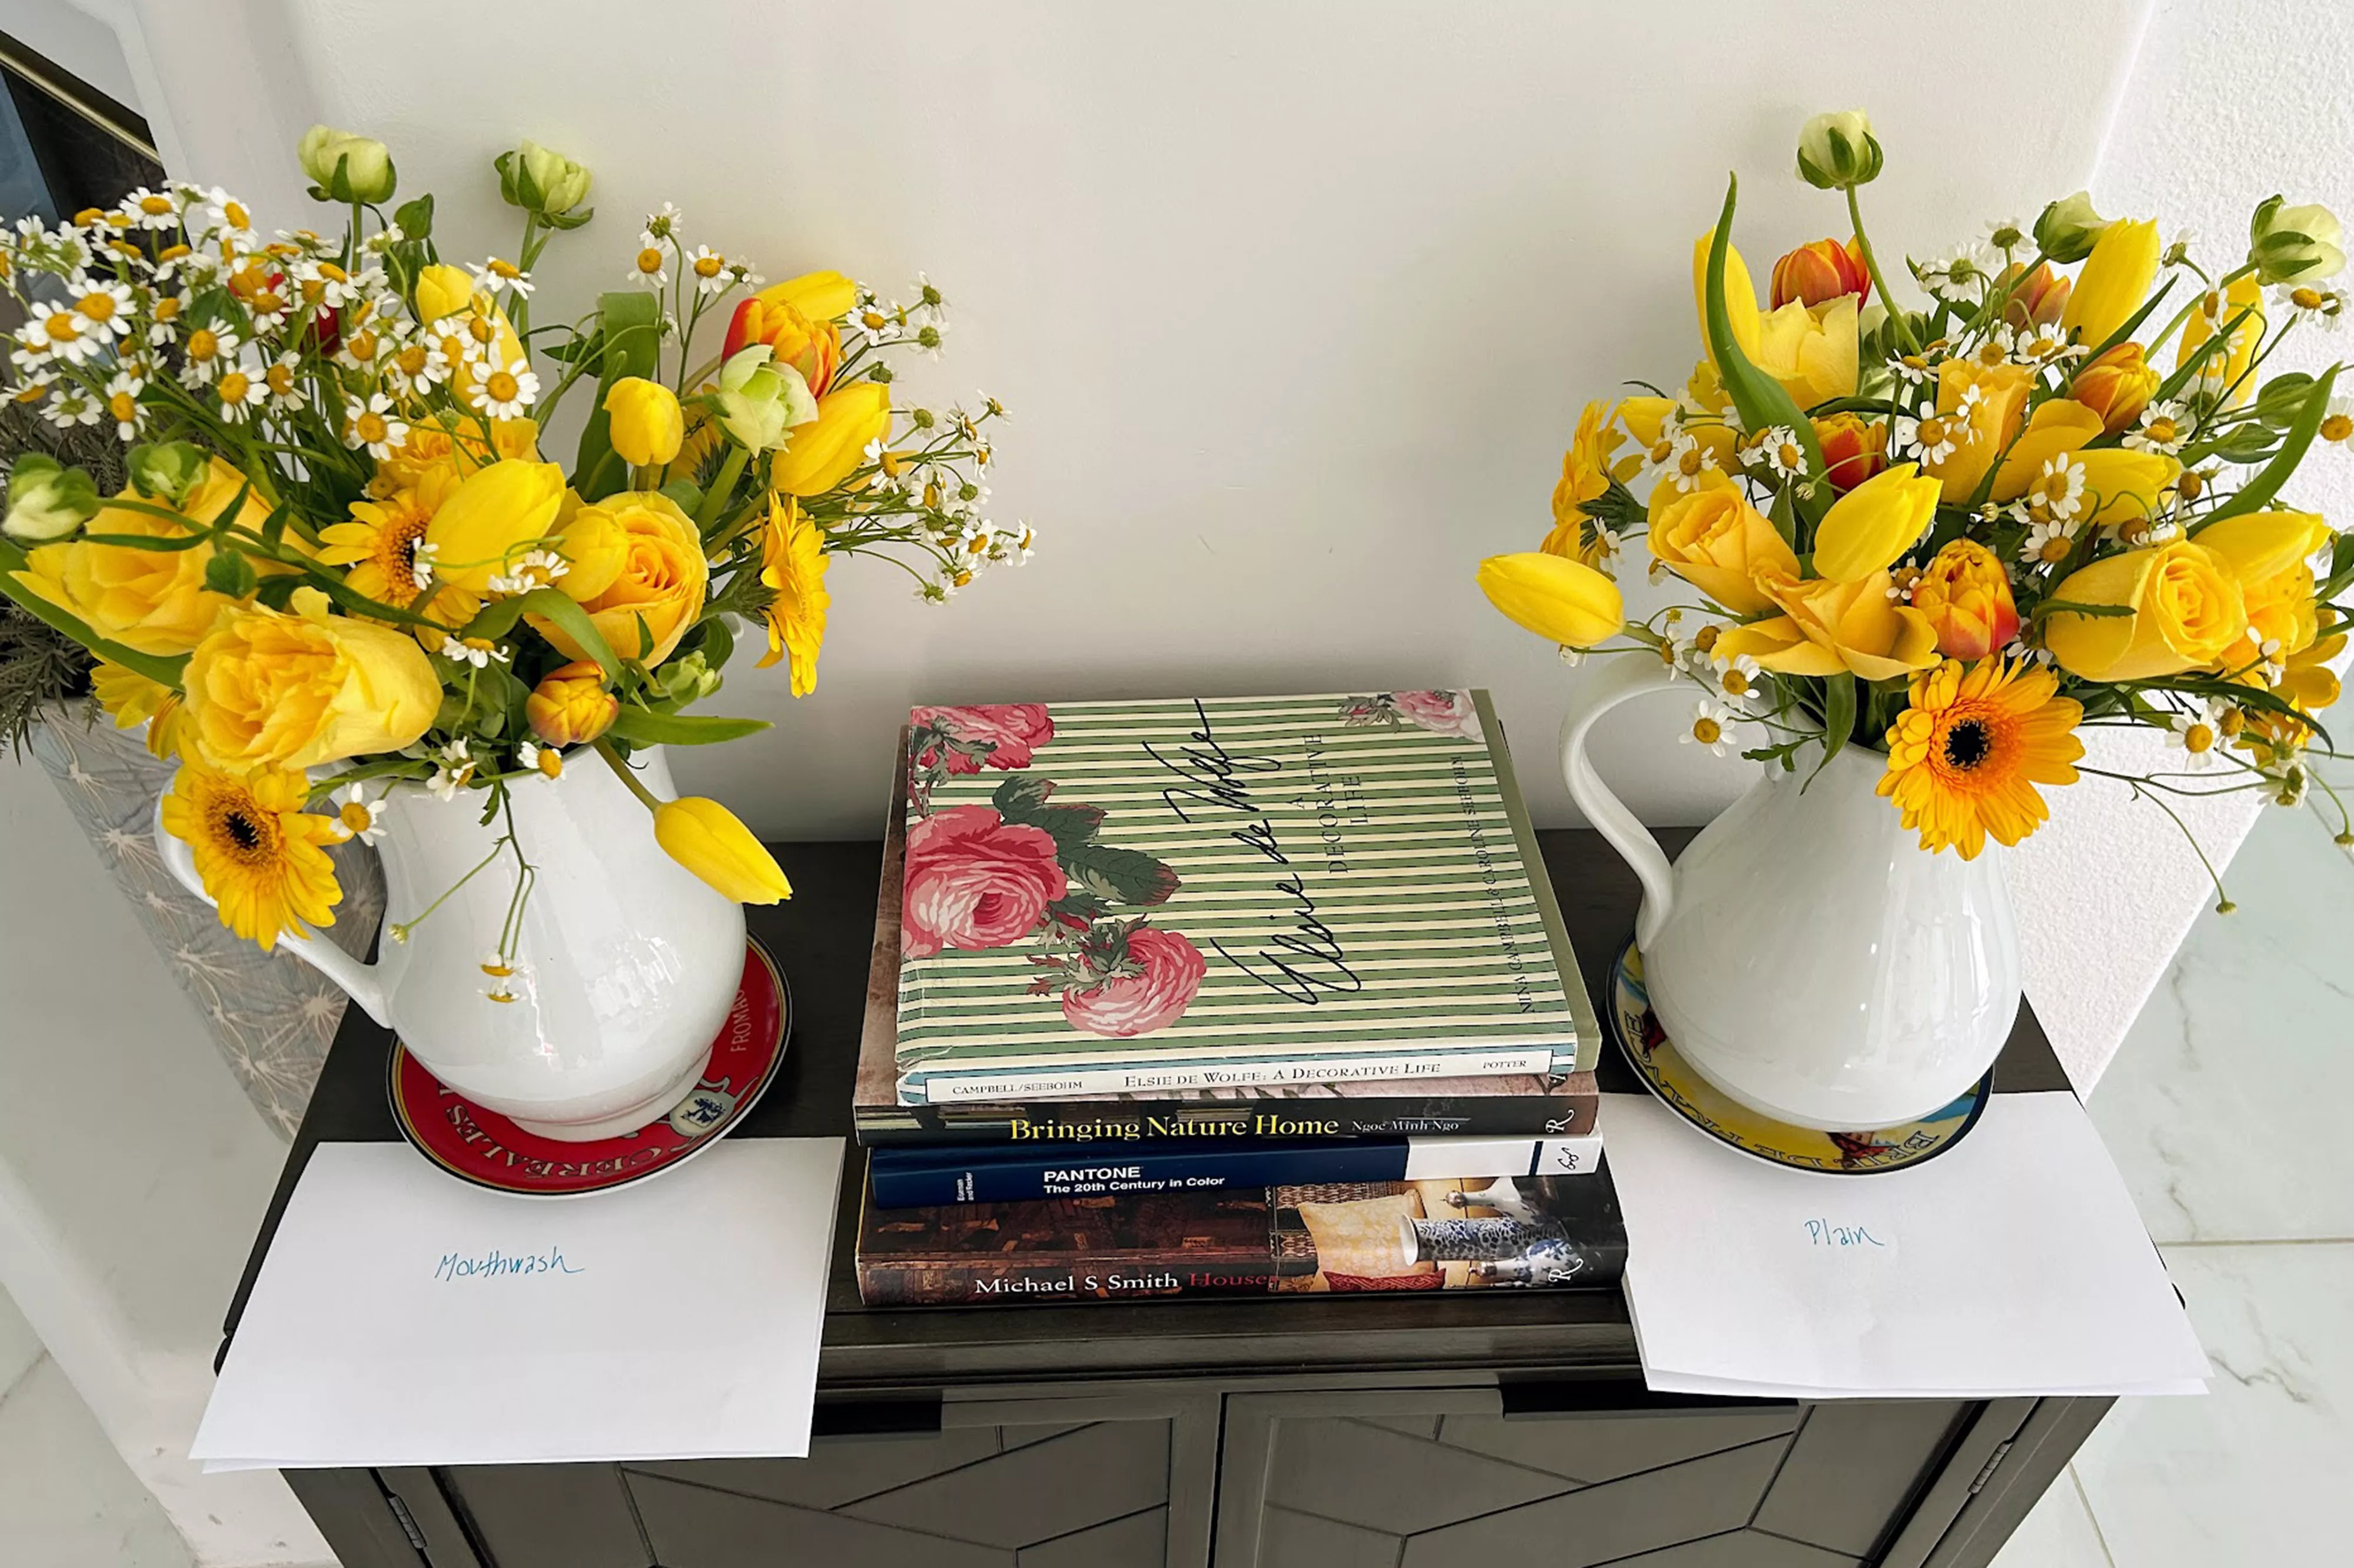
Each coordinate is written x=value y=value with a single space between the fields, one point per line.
x=1828 y=626
x=1713 y=538
x=151 y=601
x=2259 y=545
x=2059 y=426
x=1560 y=599
x=2121 y=486
x=442 y=289
x=1811 y=349
x=2114 y=280
x=2225 y=374
x=495 y=514
x=1869 y=527
x=705 y=837
x=2118 y=385
x=300 y=687
x=647 y=427
x=1965 y=593
x=821 y=454
x=2187 y=613
x=1995 y=419
x=638 y=570
x=1740 y=296
x=1647 y=418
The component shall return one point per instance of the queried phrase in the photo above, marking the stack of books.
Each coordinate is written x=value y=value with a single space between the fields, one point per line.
x=1229 y=996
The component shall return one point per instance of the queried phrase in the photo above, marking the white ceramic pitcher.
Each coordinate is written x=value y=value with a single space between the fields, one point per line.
x=628 y=961
x=1805 y=954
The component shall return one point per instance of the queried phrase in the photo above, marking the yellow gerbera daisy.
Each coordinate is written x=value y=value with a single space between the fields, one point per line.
x=1964 y=757
x=391 y=560
x=793 y=562
x=260 y=856
x=129 y=698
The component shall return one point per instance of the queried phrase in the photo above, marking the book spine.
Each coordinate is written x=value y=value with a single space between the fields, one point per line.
x=1113 y=1278
x=912 y=1179
x=1112 y=1122
x=960 y=1087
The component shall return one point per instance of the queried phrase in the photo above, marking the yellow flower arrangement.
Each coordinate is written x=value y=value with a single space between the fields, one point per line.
x=1957 y=528
x=342 y=557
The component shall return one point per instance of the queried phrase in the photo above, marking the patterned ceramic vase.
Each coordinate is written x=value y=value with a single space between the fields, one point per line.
x=272 y=1016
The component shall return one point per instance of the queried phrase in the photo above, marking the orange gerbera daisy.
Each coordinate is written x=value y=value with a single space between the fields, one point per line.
x=1965 y=759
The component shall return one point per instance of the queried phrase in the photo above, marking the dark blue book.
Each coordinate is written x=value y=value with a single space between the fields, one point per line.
x=926 y=1175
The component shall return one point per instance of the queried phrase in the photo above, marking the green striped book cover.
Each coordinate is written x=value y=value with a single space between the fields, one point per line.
x=1187 y=896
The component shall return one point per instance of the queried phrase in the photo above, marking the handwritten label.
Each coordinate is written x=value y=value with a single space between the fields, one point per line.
x=498 y=1265
x=1824 y=1234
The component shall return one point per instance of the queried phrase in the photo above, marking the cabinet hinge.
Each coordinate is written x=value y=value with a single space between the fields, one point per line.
x=408 y=1520
x=1994 y=1462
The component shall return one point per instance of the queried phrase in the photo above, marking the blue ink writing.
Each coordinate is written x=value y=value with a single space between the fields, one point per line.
x=1822 y=1232
x=497 y=1265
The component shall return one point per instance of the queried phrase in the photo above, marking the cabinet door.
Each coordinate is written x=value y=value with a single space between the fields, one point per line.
x=1446 y=1478
x=1029 y=1483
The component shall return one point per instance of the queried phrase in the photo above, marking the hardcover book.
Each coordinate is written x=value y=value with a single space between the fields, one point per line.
x=921 y=1175
x=1336 y=1238
x=1307 y=917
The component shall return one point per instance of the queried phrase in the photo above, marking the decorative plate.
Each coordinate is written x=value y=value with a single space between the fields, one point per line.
x=1684 y=1091
x=483 y=1147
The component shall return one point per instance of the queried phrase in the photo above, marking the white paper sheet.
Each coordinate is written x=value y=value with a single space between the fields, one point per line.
x=406 y=1318
x=2013 y=1264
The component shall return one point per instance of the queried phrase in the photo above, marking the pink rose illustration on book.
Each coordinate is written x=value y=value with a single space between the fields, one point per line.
x=974 y=881
x=1441 y=713
x=1000 y=734
x=1155 y=976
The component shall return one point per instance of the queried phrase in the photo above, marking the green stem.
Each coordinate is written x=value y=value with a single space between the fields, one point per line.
x=1880 y=280
x=622 y=771
x=715 y=500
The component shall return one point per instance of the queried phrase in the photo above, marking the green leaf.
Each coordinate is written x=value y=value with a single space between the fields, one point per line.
x=629 y=320
x=1838 y=715
x=1759 y=397
x=686 y=493
x=415 y=218
x=230 y=573
x=1122 y=875
x=550 y=604
x=149 y=542
x=2070 y=606
x=2259 y=491
x=1021 y=797
x=1078 y=909
x=642 y=726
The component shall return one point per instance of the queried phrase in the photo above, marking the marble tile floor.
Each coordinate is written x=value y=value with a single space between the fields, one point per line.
x=2224 y=1109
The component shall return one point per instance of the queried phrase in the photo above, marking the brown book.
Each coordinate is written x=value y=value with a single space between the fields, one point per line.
x=1332 y=1238
x=1528 y=1105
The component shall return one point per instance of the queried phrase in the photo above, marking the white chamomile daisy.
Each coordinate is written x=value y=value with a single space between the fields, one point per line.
x=164 y=319
x=1688 y=462
x=2006 y=234
x=71 y=405
x=2198 y=734
x=209 y=351
x=1915 y=369
x=103 y=306
x=710 y=270
x=879 y=321
x=1711 y=728
x=361 y=814
x=123 y=403
x=478 y=652
x=2178 y=249
x=284 y=380
x=151 y=209
x=2162 y=428
x=1928 y=435
x=503 y=392
x=494 y=274
x=1022 y=541
x=2056 y=494
x=2049 y=542
x=1958 y=275
x=240 y=393
x=371 y=423
x=650 y=265
x=930 y=338
x=417 y=364
x=2305 y=302
x=1776 y=450
x=663 y=223
x=1737 y=676
x=532 y=569
x=453 y=765
x=57 y=332
x=2337 y=420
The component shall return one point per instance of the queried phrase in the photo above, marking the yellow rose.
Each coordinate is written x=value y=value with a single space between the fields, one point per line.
x=1561 y=600
x=1995 y=416
x=1714 y=539
x=1828 y=626
x=705 y=837
x=1869 y=527
x=297 y=688
x=151 y=601
x=570 y=707
x=2226 y=370
x=636 y=557
x=821 y=454
x=495 y=514
x=2114 y=280
x=646 y=425
x=1811 y=349
x=2061 y=424
x=2187 y=607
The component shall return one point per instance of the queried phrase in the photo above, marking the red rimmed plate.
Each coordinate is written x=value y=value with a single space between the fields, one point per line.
x=482 y=1147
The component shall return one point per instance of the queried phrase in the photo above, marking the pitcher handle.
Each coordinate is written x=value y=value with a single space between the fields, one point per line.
x=360 y=980
x=1603 y=690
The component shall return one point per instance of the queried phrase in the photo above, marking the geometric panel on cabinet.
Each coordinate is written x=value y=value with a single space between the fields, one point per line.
x=1442 y=1478
x=1054 y=1494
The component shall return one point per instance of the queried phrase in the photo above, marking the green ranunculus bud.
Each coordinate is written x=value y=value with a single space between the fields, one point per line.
x=759 y=400
x=47 y=500
x=542 y=179
x=1837 y=151
x=690 y=679
x=2295 y=244
x=168 y=471
x=347 y=167
x=2068 y=228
